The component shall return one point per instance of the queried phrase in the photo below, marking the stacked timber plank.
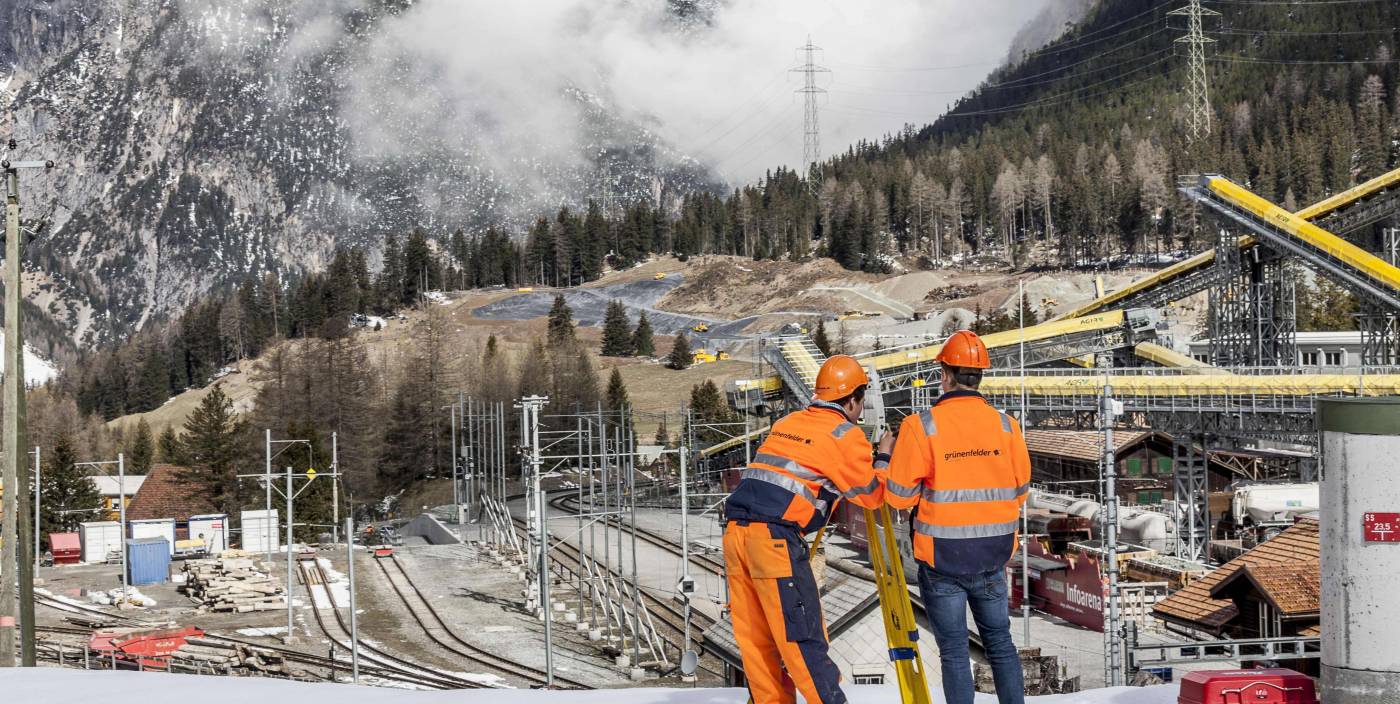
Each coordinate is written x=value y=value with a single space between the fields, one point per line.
x=231 y=584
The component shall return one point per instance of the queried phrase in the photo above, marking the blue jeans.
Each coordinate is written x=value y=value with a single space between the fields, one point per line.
x=946 y=598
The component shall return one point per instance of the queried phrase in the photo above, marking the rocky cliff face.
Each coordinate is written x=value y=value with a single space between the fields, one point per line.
x=197 y=141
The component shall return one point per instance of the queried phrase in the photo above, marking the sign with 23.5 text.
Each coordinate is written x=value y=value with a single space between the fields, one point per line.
x=1377 y=527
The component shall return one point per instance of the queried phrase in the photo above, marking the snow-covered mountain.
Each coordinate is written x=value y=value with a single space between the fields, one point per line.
x=198 y=141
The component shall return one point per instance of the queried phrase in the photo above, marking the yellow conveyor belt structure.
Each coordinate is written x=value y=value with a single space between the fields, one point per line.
x=1179 y=273
x=1363 y=272
x=803 y=361
x=1158 y=354
x=797 y=360
x=1127 y=385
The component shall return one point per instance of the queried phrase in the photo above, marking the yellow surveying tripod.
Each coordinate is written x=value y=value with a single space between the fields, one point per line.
x=901 y=630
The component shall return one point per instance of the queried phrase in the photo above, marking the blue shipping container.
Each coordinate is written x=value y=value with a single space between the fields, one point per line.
x=147 y=560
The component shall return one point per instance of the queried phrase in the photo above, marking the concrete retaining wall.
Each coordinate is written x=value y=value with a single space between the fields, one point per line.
x=432 y=530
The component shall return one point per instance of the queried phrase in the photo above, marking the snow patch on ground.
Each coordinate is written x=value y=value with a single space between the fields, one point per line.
x=339 y=587
x=267 y=631
x=486 y=679
x=37 y=370
x=69 y=686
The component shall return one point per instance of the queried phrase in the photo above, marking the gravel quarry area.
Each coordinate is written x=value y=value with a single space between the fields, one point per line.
x=590 y=305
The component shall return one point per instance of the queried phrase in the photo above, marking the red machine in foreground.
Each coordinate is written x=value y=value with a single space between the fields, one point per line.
x=1275 y=686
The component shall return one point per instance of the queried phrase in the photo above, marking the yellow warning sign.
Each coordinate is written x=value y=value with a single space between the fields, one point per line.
x=311 y=473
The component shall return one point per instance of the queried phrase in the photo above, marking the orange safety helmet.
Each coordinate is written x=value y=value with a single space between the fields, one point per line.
x=839 y=377
x=965 y=349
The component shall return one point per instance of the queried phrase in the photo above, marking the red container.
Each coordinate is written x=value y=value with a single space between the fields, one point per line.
x=65 y=548
x=1273 y=686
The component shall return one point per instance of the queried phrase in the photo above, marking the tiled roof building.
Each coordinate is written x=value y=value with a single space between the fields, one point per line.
x=166 y=493
x=1271 y=590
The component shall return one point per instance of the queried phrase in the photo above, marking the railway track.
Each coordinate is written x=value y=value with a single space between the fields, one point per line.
x=669 y=613
x=90 y=611
x=701 y=560
x=437 y=630
x=331 y=664
x=405 y=670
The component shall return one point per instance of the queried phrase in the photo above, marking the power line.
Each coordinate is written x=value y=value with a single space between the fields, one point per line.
x=1075 y=43
x=744 y=119
x=1298 y=62
x=742 y=113
x=1078 y=41
x=1292 y=3
x=1060 y=69
x=1292 y=33
x=1048 y=100
x=980 y=89
x=784 y=136
x=1059 y=97
x=894 y=69
x=779 y=118
x=1060 y=49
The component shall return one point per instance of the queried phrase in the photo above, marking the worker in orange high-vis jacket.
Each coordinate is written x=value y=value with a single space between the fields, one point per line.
x=964 y=465
x=810 y=460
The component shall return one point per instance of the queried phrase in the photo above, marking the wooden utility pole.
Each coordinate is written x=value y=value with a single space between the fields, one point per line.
x=18 y=565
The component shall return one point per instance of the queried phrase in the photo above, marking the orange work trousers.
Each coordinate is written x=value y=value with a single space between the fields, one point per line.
x=777 y=616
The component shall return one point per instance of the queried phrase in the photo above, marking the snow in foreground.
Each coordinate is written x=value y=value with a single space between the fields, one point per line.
x=64 y=686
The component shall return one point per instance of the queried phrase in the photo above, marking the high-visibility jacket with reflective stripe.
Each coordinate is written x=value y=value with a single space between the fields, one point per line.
x=965 y=465
x=809 y=460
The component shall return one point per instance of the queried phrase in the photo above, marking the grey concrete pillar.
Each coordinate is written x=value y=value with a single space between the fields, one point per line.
x=1360 y=608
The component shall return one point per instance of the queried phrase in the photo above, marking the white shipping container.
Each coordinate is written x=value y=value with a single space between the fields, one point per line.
x=155 y=528
x=260 y=531
x=98 y=538
x=213 y=529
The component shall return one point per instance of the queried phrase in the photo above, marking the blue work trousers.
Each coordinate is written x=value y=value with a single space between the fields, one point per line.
x=946 y=599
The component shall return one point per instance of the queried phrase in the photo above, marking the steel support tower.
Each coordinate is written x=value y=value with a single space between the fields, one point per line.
x=1229 y=307
x=1380 y=326
x=1190 y=491
x=1198 y=112
x=811 y=126
x=1251 y=313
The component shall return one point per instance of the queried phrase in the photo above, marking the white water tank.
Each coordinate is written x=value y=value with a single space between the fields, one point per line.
x=1360 y=549
x=1148 y=529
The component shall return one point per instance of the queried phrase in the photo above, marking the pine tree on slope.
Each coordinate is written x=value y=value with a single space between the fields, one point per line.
x=142 y=450
x=616 y=396
x=211 y=447
x=617 y=338
x=561 y=323
x=680 y=357
x=642 y=344
x=168 y=446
